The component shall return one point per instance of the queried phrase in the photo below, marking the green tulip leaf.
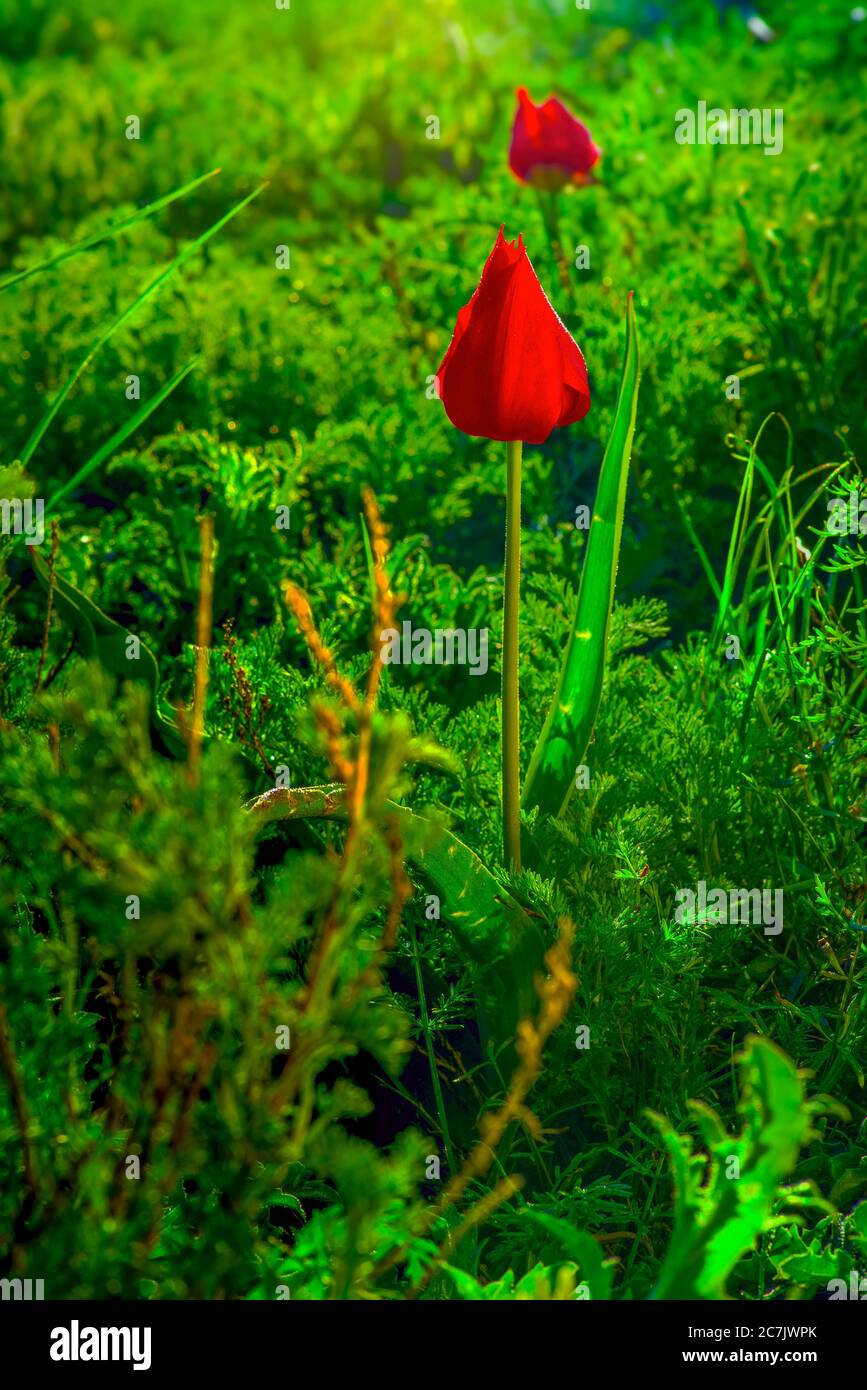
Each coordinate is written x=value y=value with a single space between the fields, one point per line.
x=566 y=733
x=492 y=930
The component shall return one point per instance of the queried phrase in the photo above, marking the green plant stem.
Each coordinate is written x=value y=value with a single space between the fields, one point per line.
x=511 y=724
x=431 y=1056
x=549 y=203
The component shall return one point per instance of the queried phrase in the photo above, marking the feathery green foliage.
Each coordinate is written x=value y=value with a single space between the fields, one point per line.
x=249 y=1037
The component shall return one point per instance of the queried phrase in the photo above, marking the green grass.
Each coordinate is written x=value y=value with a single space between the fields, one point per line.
x=160 y=929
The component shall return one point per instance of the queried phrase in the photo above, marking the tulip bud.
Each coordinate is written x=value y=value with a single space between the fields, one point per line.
x=512 y=371
x=550 y=148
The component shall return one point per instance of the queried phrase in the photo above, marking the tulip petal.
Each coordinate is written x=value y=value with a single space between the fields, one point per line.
x=550 y=147
x=512 y=370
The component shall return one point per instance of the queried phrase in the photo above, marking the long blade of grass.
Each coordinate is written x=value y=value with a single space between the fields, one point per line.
x=120 y=436
x=368 y=555
x=738 y=539
x=150 y=290
x=699 y=548
x=567 y=729
x=106 y=233
x=756 y=248
x=755 y=593
x=803 y=581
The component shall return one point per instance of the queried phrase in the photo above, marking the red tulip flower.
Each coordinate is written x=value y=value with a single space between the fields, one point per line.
x=550 y=148
x=512 y=370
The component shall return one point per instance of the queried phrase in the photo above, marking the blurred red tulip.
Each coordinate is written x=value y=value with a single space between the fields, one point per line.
x=512 y=371
x=550 y=147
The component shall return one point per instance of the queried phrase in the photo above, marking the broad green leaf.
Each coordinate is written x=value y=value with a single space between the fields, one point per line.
x=490 y=927
x=470 y=1290
x=813 y=1266
x=580 y=1247
x=536 y=1285
x=539 y=1283
x=567 y=729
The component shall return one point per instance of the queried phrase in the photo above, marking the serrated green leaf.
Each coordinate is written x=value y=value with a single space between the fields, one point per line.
x=721 y=1208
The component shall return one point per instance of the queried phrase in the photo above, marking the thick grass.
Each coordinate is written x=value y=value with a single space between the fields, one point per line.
x=729 y=745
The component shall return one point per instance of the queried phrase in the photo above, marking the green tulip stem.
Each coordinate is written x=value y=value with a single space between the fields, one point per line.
x=511 y=601
x=549 y=202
